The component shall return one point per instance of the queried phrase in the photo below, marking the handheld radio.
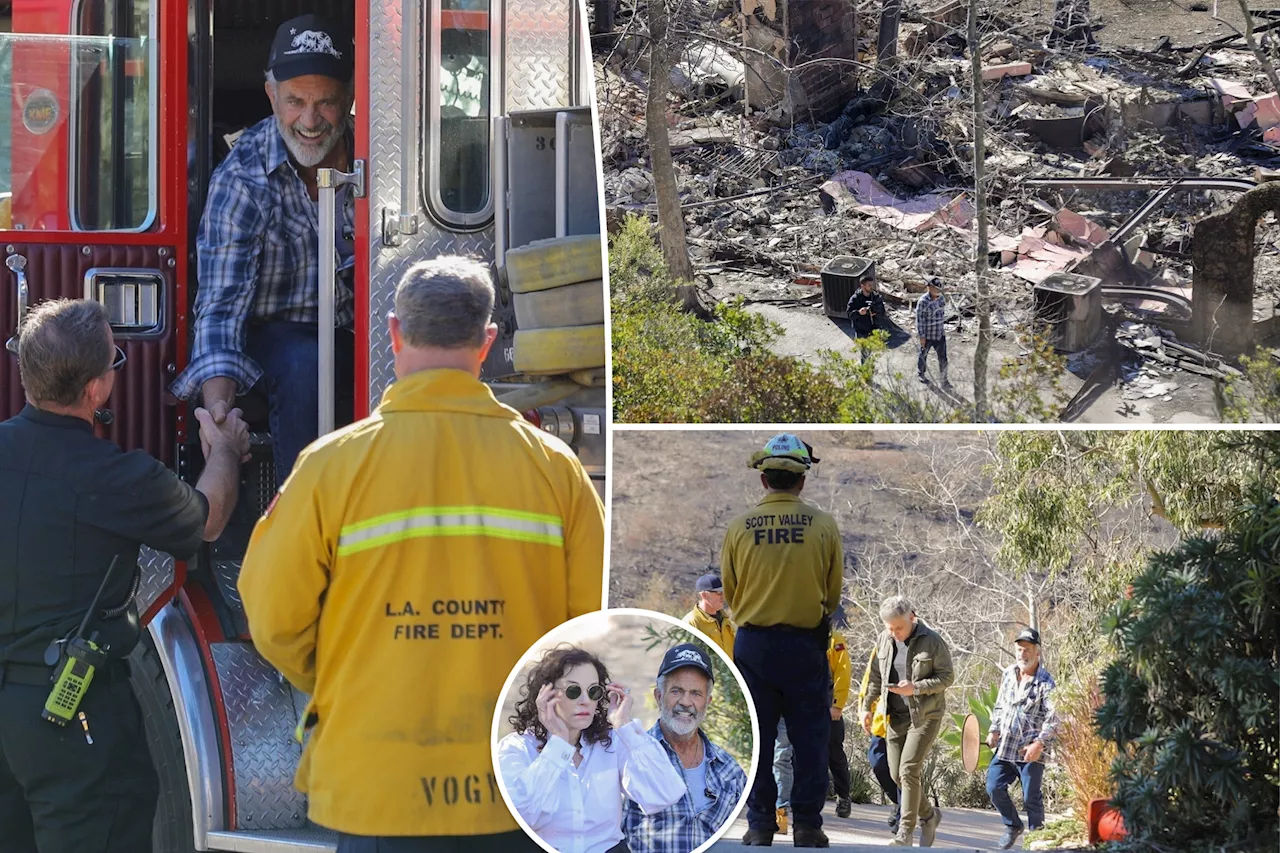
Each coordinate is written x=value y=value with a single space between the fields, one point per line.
x=80 y=658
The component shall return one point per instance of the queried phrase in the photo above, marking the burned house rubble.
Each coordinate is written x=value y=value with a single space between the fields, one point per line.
x=1124 y=177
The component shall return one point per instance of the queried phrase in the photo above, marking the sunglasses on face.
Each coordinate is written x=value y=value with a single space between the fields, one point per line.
x=595 y=692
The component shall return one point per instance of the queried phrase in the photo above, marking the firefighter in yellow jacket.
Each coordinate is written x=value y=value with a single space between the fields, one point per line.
x=783 y=565
x=841 y=675
x=878 y=749
x=709 y=615
x=406 y=564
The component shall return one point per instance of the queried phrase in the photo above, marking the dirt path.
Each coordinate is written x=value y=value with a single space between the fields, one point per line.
x=806 y=331
x=865 y=831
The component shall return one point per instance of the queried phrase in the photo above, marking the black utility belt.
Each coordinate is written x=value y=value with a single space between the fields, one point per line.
x=39 y=675
x=819 y=630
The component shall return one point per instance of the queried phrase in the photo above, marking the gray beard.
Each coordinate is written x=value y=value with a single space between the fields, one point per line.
x=681 y=726
x=309 y=156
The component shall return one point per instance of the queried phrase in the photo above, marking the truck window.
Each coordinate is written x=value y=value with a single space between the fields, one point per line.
x=458 y=117
x=77 y=115
x=114 y=135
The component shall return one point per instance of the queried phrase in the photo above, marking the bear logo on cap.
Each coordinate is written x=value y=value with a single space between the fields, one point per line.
x=311 y=41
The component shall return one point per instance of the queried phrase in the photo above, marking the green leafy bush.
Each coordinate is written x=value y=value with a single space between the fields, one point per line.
x=1191 y=699
x=670 y=366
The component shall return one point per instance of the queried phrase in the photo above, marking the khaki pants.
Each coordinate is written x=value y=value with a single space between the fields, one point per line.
x=908 y=748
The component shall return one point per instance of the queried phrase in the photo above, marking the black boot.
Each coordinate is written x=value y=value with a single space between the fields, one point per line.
x=758 y=838
x=809 y=836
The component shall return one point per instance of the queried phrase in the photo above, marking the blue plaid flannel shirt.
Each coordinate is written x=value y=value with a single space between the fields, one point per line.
x=930 y=313
x=1023 y=713
x=677 y=829
x=257 y=258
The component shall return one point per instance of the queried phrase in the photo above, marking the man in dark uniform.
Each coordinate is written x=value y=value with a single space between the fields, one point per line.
x=782 y=566
x=866 y=310
x=69 y=503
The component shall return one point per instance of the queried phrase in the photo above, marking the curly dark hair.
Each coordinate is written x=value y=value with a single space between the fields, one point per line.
x=551 y=667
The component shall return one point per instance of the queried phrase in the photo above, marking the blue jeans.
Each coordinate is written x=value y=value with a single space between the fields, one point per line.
x=878 y=757
x=789 y=679
x=499 y=843
x=784 y=772
x=1000 y=775
x=939 y=345
x=289 y=356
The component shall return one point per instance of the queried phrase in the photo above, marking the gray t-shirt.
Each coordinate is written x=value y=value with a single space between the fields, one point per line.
x=901 y=670
x=900 y=662
x=696 y=779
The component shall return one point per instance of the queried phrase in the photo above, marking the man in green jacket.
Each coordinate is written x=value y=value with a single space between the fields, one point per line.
x=910 y=674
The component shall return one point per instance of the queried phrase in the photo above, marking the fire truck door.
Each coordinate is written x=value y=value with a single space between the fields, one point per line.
x=93 y=166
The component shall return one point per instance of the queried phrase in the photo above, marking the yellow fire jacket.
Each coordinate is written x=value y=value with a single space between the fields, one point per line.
x=720 y=630
x=782 y=563
x=877 y=718
x=841 y=669
x=407 y=563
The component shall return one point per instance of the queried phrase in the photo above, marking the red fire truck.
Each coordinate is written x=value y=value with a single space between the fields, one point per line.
x=474 y=135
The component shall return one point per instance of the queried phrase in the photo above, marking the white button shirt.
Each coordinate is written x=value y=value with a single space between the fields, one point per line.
x=579 y=809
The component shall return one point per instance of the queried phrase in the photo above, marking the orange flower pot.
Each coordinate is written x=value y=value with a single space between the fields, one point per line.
x=1105 y=822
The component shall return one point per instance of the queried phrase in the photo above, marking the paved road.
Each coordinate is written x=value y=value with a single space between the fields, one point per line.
x=806 y=331
x=866 y=831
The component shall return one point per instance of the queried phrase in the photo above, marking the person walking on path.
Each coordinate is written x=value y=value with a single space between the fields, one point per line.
x=1023 y=724
x=911 y=674
x=931 y=311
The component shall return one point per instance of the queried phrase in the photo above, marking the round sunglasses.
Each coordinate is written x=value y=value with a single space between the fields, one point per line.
x=595 y=692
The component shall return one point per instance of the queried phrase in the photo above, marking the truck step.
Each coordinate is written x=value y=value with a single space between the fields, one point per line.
x=309 y=840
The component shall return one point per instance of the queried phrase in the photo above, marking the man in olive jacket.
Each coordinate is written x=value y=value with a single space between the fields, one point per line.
x=910 y=674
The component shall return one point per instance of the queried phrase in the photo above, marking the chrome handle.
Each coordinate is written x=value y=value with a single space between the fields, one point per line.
x=18 y=263
x=328 y=181
x=410 y=13
x=562 y=174
x=501 y=125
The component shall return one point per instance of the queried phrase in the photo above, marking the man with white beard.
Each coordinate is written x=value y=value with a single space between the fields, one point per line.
x=715 y=781
x=257 y=303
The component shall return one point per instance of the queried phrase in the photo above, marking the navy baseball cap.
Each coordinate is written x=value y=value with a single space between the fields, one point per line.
x=309 y=44
x=708 y=583
x=1028 y=635
x=685 y=654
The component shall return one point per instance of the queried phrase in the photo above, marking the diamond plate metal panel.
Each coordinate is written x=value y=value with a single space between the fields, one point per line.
x=537 y=75
x=157 y=574
x=262 y=712
x=226 y=573
x=538 y=58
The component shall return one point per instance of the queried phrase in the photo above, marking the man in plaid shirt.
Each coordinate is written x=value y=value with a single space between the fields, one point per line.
x=257 y=303
x=1023 y=724
x=715 y=781
x=930 y=312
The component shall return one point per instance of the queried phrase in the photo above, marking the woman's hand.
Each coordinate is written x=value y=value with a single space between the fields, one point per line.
x=547 y=702
x=619 y=705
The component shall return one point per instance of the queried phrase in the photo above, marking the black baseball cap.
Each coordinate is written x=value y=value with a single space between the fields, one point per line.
x=308 y=44
x=685 y=654
x=1028 y=635
x=935 y=282
x=708 y=583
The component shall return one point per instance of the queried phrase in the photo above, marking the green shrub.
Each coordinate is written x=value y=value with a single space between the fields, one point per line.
x=1191 y=699
x=1256 y=395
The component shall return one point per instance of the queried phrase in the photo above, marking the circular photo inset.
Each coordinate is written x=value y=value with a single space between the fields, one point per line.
x=624 y=730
